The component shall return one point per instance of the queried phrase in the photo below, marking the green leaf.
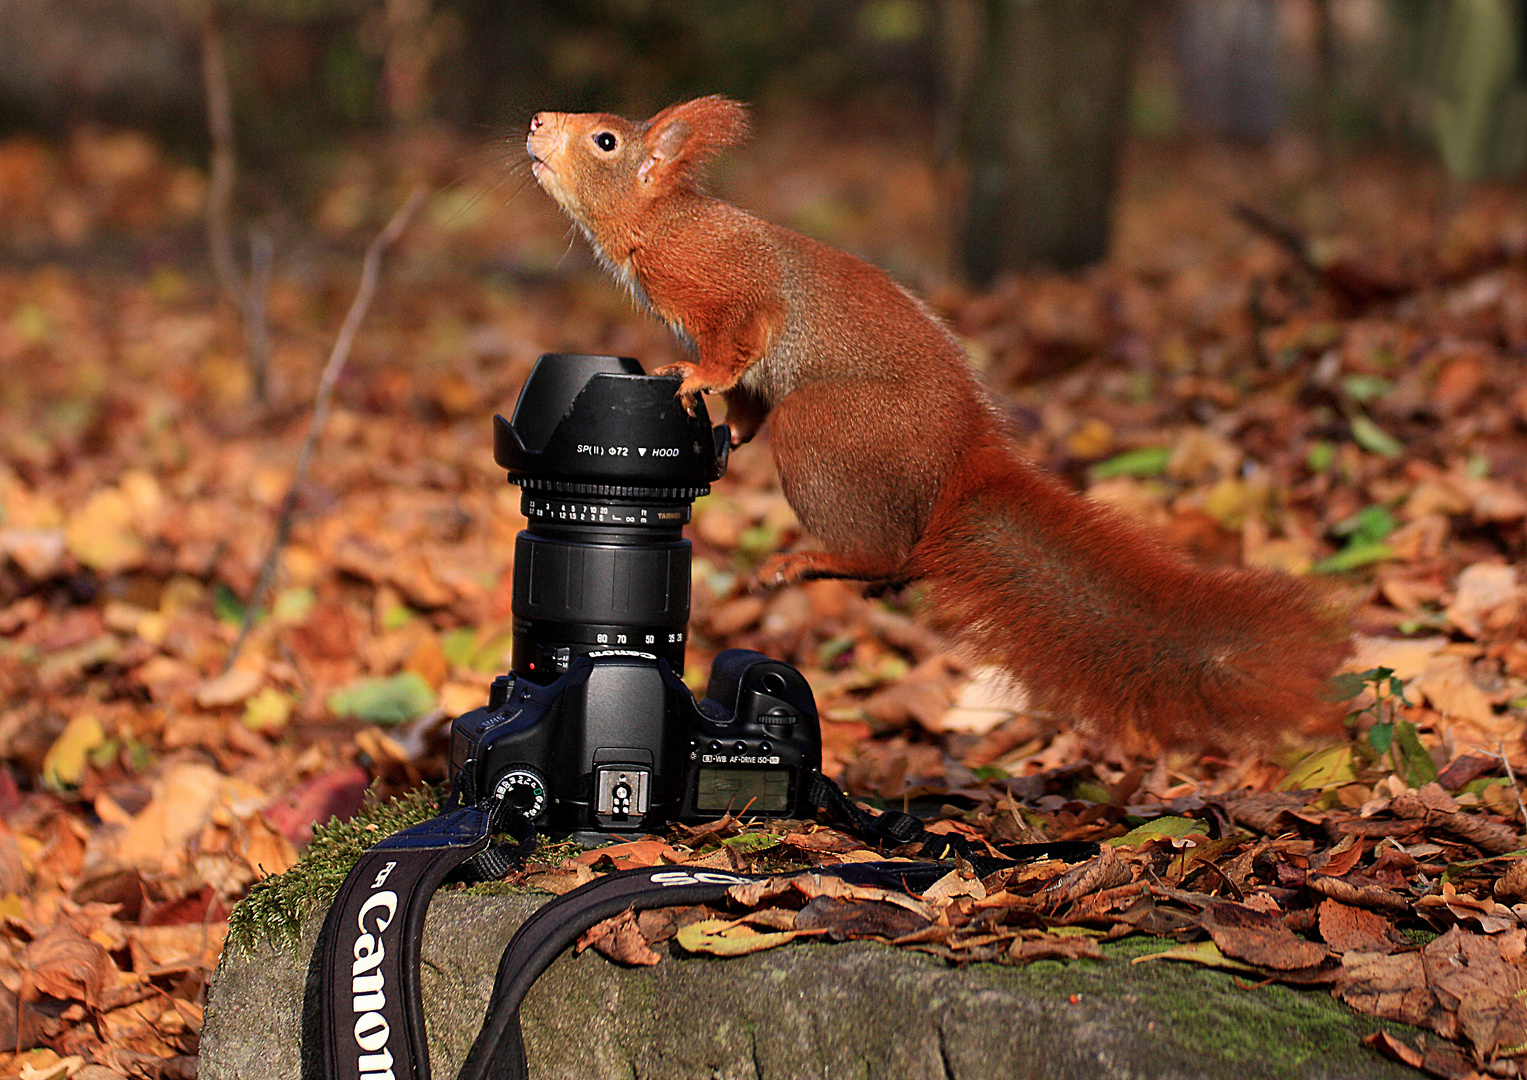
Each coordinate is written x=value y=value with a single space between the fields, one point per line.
x=1369 y=524
x=1147 y=461
x=758 y=541
x=1346 y=686
x=1478 y=786
x=1373 y=438
x=1417 y=766
x=751 y=841
x=1162 y=828
x=1093 y=792
x=385 y=701
x=1320 y=456
x=227 y=606
x=1331 y=767
x=1380 y=736
x=1353 y=556
x=1200 y=952
x=833 y=648
x=1366 y=388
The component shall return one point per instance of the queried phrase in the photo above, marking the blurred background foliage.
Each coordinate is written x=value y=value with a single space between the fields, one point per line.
x=1435 y=75
x=306 y=70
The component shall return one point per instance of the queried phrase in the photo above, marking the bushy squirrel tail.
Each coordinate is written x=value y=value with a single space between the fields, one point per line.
x=1111 y=629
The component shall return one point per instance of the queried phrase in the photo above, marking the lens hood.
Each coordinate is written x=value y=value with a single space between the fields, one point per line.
x=595 y=425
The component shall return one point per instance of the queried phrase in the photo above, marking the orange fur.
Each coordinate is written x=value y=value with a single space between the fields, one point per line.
x=892 y=455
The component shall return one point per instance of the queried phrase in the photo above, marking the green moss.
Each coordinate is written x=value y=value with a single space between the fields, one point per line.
x=1278 y=1028
x=275 y=907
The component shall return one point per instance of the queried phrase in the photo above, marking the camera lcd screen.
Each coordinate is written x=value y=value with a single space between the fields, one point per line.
x=732 y=789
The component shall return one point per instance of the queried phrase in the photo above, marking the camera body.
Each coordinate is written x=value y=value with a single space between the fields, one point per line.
x=592 y=730
x=618 y=744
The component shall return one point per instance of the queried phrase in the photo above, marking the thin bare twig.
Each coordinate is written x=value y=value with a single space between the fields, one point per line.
x=214 y=59
x=248 y=296
x=1500 y=752
x=256 y=329
x=370 y=269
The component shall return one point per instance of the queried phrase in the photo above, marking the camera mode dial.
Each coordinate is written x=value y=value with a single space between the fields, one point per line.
x=522 y=790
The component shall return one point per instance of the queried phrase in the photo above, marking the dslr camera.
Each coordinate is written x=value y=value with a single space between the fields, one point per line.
x=592 y=729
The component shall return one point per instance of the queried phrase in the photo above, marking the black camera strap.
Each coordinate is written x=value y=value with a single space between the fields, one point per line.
x=901 y=828
x=370 y=1006
x=371 y=1017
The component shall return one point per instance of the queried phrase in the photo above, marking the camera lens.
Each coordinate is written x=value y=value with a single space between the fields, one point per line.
x=609 y=464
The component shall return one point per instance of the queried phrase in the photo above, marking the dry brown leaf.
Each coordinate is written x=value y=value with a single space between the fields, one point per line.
x=65 y=964
x=1352 y=929
x=1260 y=938
x=843 y=919
x=620 y=939
x=568 y=875
x=632 y=855
x=1448 y=684
x=1105 y=871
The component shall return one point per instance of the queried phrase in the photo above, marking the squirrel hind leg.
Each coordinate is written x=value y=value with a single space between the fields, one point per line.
x=778 y=571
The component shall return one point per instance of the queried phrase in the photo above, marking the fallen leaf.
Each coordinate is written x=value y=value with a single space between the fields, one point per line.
x=1487 y=596
x=568 y=875
x=268 y=710
x=954 y=884
x=64 y=764
x=720 y=937
x=100 y=533
x=632 y=855
x=1448 y=685
x=392 y=700
x=1261 y=938
x=64 y=963
x=229 y=688
x=620 y=939
x=1351 y=929
x=1206 y=953
x=1162 y=828
x=844 y=920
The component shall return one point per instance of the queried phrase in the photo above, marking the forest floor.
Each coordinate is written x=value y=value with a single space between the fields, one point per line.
x=1348 y=402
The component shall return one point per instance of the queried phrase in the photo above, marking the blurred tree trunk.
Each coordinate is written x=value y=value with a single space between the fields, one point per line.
x=1227 y=53
x=1041 y=126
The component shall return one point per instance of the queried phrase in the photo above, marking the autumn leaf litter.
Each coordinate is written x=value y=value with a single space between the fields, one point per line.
x=1365 y=415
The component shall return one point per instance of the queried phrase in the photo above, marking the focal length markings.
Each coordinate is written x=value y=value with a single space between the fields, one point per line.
x=593 y=513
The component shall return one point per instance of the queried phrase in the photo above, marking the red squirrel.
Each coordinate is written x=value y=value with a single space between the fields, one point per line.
x=894 y=457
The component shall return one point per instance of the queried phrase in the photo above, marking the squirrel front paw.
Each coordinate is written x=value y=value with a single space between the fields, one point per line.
x=691 y=386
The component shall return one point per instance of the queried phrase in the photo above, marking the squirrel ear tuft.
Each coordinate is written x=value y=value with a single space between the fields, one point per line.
x=683 y=137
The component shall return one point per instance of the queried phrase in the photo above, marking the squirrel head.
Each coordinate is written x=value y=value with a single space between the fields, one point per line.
x=604 y=171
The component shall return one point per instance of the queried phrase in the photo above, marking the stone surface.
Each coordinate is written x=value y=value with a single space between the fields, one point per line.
x=811 y=1010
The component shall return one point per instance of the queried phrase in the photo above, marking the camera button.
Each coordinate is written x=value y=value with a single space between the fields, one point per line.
x=714 y=748
x=741 y=747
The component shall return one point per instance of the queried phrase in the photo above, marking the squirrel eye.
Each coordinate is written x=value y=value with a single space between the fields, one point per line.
x=605 y=141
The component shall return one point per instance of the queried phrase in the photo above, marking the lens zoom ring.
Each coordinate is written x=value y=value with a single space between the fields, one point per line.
x=608 y=491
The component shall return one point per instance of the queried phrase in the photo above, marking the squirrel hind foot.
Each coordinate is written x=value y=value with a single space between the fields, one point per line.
x=778 y=571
